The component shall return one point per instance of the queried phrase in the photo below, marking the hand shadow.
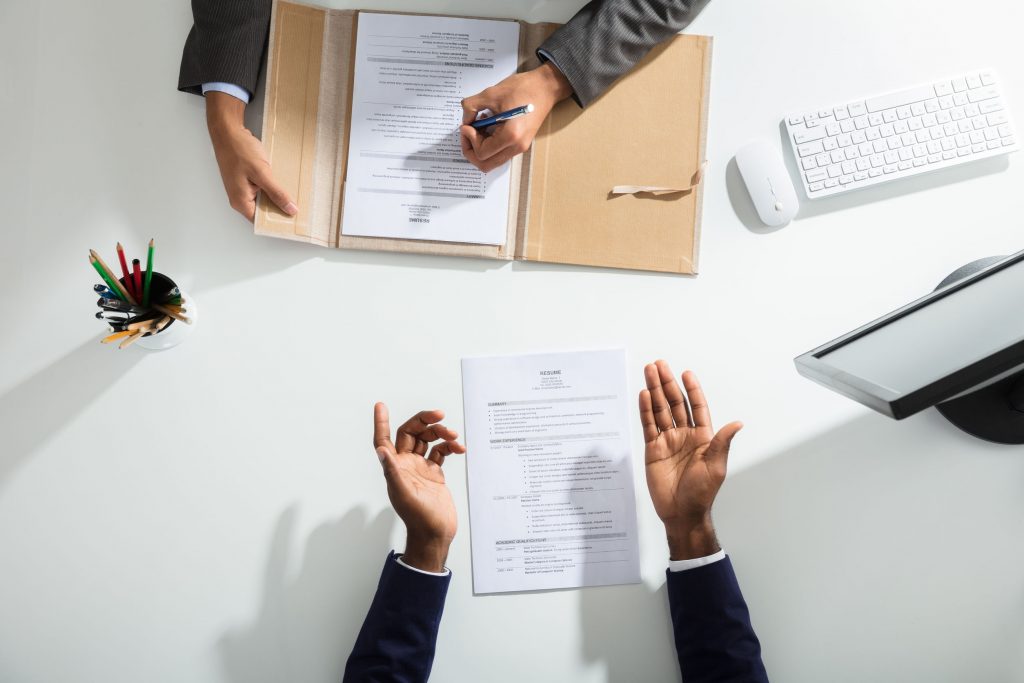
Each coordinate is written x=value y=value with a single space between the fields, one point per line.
x=37 y=408
x=308 y=620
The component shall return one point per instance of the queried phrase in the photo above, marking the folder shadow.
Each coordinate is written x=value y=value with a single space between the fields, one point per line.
x=310 y=611
x=37 y=408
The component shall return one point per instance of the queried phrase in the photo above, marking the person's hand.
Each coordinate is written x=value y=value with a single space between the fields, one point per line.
x=684 y=458
x=416 y=483
x=243 y=165
x=543 y=87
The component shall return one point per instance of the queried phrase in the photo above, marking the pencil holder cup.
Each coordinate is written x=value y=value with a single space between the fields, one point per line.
x=175 y=331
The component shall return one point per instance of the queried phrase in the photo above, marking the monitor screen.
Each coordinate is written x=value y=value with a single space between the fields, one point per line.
x=954 y=339
x=936 y=340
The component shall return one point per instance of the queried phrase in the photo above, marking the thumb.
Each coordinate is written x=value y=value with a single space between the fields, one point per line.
x=473 y=104
x=718 y=451
x=277 y=194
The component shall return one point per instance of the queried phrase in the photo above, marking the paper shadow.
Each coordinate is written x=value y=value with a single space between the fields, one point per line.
x=39 y=407
x=882 y=550
x=309 y=617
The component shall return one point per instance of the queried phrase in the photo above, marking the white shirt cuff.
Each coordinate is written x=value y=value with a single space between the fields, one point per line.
x=683 y=565
x=446 y=571
x=229 y=88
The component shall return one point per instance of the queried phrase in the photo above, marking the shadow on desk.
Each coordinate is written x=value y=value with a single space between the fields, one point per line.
x=40 y=406
x=305 y=626
x=883 y=550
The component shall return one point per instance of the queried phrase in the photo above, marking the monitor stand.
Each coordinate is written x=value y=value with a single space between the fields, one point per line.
x=994 y=412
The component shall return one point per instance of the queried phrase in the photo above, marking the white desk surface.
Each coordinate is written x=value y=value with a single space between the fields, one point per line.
x=216 y=512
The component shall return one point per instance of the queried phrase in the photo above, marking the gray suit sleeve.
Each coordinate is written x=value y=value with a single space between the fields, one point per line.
x=608 y=37
x=226 y=43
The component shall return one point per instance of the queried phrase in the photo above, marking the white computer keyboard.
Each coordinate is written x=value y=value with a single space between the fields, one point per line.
x=869 y=141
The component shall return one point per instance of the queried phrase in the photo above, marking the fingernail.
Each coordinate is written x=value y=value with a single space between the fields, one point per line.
x=291 y=209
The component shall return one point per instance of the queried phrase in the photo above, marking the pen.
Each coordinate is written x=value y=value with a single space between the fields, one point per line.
x=503 y=116
x=104 y=292
x=106 y=278
x=111 y=304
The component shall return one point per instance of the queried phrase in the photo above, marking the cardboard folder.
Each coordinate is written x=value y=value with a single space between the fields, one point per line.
x=648 y=130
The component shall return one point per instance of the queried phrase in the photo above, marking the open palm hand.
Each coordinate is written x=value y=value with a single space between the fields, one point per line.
x=684 y=458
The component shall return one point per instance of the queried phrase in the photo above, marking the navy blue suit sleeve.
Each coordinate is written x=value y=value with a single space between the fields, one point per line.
x=397 y=640
x=714 y=638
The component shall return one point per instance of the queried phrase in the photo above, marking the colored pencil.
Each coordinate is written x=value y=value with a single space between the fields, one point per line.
x=174 y=314
x=124 y=271
x=141 y=325
x=149 y=274
x=137 y=278
x=106 y=277
x=114 y=337
x=118 y=287
x=130 y=339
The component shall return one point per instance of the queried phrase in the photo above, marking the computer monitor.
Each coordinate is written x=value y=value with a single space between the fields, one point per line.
x=960 y=348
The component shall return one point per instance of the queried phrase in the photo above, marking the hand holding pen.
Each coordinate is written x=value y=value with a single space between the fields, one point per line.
x=513 y=131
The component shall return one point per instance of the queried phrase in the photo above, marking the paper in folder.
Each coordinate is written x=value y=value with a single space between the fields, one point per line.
x=361 y=117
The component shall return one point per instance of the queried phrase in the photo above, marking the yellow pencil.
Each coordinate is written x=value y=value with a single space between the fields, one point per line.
x=114 y=337
x=141 y=325
x=117 y=283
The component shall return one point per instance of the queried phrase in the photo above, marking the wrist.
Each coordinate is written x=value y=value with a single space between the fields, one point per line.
x=554 y=81
x=224 y=113
x=428 y=554
x=691 y=539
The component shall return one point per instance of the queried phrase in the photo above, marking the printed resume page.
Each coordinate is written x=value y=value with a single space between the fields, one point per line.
x=551 y=497
x=406 y=175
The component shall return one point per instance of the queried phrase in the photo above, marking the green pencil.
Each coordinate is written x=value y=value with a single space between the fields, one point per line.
x=149 y=275
x=106 y=278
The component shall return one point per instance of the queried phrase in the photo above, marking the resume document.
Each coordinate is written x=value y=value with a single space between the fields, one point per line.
x=407 y=177
x=551 y=496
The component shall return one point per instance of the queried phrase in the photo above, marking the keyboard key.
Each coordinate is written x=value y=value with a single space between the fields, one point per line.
x=963 y=151
x=809 y=135
x=831 y=182
x=917 y=109
x=948 y=144
x=859 y=137
x=923 y=136
x=861 y=122
x=980 y=147
x=915 y=123
x=903 y=112
x=816 y=175
x=866 y=149
x=961 y=97
x=1004 y=130
x=959 y=84
x=987 y=78
x=900 y=127
x=830 y=144
x=851 y=153
x=842 y=113
x=931 y=105
x=933 y=147
x=860 y=175
x=833 y=129
x=995 y=144
x=844 y=140
x=809 y=163
x=990 y=106
x=948 y=155
x=891 y=168
x=943 y=88
x=997 y=119
x=934 y=158
x=848 y=167
x=857 y=109
x=905 y=154
x=796 y=120
x=816 y=186
x=880 y=145
x=946 y=102
x=889 y=115
x=891 y=157
x=908 y=138
x=824 y=113
x=973 y=81
x=846 y=179
x=810 y=148
x=835 y=170
x=972 y=110
x=1009 y=141
x=943 y=117
x=874 y=173
x=876 y=160
x=991 y=133
x=904 y=165
x=847 y=126
x=823 y=160
x=812 y=122
x=863 y=164
x=837 y=156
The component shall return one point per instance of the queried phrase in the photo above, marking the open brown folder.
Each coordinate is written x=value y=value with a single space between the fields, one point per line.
x=648 y=131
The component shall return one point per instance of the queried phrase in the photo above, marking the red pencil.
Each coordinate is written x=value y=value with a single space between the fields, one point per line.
x=124 y=270
x=137 y=274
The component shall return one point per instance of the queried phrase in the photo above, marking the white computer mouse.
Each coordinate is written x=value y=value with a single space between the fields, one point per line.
x=765 y=175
